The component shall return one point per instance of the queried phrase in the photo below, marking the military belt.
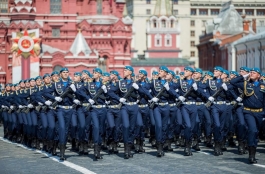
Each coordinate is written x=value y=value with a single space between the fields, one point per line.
x=65 y=107
x=241 y=104
x=52 y=107
x=199 y=103
x=130 y=103
x=143 y=106
x=228 y=103
x=219 y=102
x=253 y=110
x=189 y=103
x=85 y=104
x=113 y=106
x=172 y=104
x=98 y=106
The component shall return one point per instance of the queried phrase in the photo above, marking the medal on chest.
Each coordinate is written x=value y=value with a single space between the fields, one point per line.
x=58 y=87
x=123 y=86
x=184 y=86
x=157 y=85
x=212 y=84
x=92 y=88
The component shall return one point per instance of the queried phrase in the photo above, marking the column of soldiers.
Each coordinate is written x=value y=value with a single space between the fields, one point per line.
x=103 y=110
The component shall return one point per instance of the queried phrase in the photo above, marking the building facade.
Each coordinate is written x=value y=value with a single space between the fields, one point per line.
x=75 y=34
x=192 y=16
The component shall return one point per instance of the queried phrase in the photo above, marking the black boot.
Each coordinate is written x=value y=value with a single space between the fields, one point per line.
x=216 y=148
x=141 y=147
x=137 y=146
x=111 y=147
x=208 y=142
x=62 y=151
x=177 y=142
x=245 y=147
x=187 y=150
x=115 y=147
x=240 y=147
x=231 y=142
x=152 y=141
x=167 y=146
x=160 y=152
x=252 y=153
x=130 y=150
x=54 y=147
x=196 y=144
x=126 y=152
x=97 y=152
x=81 y=148
x=38 y=144
x=44 y=145
x=74 y=145
x=223 y=145
x=34 y=143
x=85 y=148
x=182 y=141
x=104 y=144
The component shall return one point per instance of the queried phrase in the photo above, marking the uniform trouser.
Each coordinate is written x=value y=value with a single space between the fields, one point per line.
x=253 y=121
x=34 y=119
x=98 y=118
x=175 y=122
x=205 y=120
x=14 y=124
x=114 y=121
x=64 y=119
x=5 y=119
x=241 y=124
x=10 y=122
x=51 y=114
x=129 y=116
x=161 y=116
x=81 y=115
x=141 y=122
x=229 y=121
x=44 y=125
x=25 y=123
x=189 y=114
x=74 y=125
x=29 y=125
x=219 y=113
x=20 y=123
x=152 y=123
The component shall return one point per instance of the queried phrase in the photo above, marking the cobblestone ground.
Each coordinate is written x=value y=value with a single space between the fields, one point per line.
x=17 y=159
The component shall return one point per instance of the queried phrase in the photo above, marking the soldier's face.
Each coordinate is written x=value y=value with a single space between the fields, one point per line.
x=223 y=76
x=162 y=74
x=197 y=75
x=77 y=78
x=155 y=76
x=105 y=78
x=13 y=88
x=47 y=80
x=38 y=82
x=217 y=73
x=55 y=77
x=187 y=73
x=27 y=84
x=65 y=74
x=17 y=87
x=96 y=75
x=242 y=72
x=8 y=88
x=254 y=75
x=22 y=85
x=169 y=77
x=112 y=77
x=232 y=76
x=84 y=76
x=140 y=76
x=32 y=83
x=127 y=72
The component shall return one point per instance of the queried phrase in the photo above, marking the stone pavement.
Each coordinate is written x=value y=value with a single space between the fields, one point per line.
x=15 y=158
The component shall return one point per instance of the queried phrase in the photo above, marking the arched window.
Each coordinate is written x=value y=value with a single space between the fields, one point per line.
x=154 y=24
x=168 y=40
x=171 y=23
x=57 y=68
x=158 y=40
x=163 y=23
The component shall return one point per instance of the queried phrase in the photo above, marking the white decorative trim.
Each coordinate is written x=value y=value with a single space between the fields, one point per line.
x=81 y=63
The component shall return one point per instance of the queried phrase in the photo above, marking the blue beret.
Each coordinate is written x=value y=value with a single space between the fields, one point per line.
x=46 y=75
x=38 y=77
x=64 y=69
x=26 y=81
x=177 y=77
x=106 y=74
x=154 y=73
x=256 y=70
x=54 y=72
x=86 y=72
x=181 y=73
x=133 y=75
x=143 y=72
x=188 y=68
x=218 y=68
x=77 y=74
x=98 y=70
x=114 y=72
x=31 y=79
x=234 y=73
x=263 y=74
x=171 y=72
x=244 y=68
x=119 y=77
x=198 y=70
x=163 y=68
x=226 y=72
x=130 y=68
x=16 y=84
x=21 y=81
x=209 y=73
x=8 y=84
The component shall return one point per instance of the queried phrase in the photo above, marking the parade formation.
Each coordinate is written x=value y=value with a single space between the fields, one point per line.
x=102 y=110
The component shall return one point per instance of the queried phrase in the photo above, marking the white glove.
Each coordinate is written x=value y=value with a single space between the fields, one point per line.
x=195 y=87
x=59 y=99
x=155 y=99
x=246 y=75
x=177 y=90
x=239 y=99
x=177 y=99
x=135 y=86
x=76 y=101
x=107 y=102
x=30 y=106
x=224 y=86
x=181 y=98
x=20 y=106
x=12 y=107
x=166 y=85
x=91 y=101
x=3 y=106
x=39 y=103
x=211 y=99
x=122 y=100
x=104 y=88
x=72 y=86
x=137 y=101
x=48 y=103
